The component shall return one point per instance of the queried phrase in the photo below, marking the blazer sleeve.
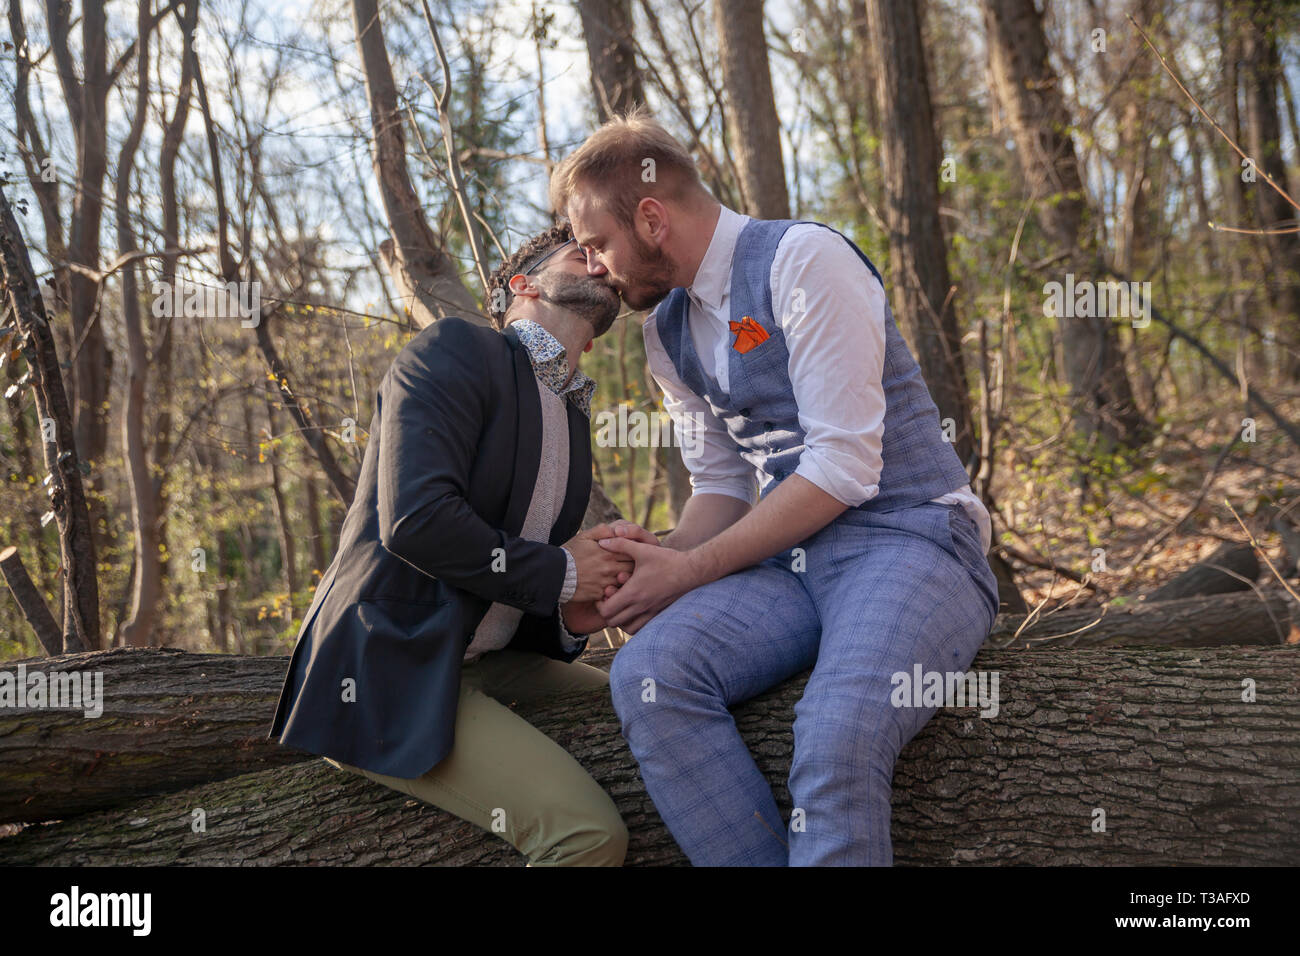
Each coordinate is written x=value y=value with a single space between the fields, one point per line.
x=434 y=403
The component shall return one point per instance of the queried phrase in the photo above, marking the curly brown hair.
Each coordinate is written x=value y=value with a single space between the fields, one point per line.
x=499 y=294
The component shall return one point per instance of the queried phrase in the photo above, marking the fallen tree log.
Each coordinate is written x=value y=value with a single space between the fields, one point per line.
x=1214 y=621
x=1232 y=567
x=170 y=719
x=1185 y=770
x=174 y=718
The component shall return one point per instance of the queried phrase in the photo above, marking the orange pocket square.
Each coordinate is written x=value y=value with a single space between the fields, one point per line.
x=749 y=334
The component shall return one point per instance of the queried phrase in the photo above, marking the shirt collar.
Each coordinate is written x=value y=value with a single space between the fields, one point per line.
x=714 y=274
x=551 y=364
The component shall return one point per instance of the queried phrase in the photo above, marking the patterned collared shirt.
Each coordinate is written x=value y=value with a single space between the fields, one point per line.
x=551 y=364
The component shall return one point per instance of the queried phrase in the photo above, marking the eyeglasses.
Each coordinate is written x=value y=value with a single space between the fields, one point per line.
x=561 y=246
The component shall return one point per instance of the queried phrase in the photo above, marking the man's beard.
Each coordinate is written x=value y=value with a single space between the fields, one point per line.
x=587 y=297
x=652 y=274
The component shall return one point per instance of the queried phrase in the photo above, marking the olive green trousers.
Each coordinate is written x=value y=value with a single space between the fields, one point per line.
x=506 y=776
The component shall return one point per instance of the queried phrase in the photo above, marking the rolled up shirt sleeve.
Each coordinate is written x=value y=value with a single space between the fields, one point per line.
x=832 y=312
x=709 y=452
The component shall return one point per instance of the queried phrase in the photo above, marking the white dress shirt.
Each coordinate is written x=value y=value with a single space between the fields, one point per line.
x=837 y=350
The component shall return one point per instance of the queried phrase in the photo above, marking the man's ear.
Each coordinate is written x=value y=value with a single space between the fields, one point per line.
x=522 y=285
x=652 y=221
x=590 y=343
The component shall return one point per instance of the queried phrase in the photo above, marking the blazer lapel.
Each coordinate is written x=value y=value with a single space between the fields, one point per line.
x=528 y=454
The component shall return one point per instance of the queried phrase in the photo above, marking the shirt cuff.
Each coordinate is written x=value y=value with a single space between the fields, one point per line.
x=739 y=487
x=835 y=483
x=568 y=642
x=570 y=579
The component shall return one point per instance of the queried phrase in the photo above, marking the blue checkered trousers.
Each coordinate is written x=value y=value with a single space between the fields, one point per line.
x=899 y=581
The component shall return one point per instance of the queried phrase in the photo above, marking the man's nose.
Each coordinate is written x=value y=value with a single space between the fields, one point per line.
x=594 y=268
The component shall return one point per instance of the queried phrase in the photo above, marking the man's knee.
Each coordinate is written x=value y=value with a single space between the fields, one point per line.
x=652 y=666
x=835 y=752
x=599 y=838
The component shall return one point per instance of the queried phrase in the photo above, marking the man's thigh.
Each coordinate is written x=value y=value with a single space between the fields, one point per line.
x=524 y=677
x=736 y=636
x=893 y=599
x=894 y=593
x=509 y=778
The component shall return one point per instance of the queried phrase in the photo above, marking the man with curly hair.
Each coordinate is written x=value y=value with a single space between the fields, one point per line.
x=462 y=584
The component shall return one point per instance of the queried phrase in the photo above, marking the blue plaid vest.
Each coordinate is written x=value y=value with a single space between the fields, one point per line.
x=760 y=412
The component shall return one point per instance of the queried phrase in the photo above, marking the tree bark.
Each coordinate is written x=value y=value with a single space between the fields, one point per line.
x=1186 y=772
x=134 y=749
x=751 y=107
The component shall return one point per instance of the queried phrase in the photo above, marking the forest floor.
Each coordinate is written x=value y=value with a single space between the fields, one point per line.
x=1121 y=515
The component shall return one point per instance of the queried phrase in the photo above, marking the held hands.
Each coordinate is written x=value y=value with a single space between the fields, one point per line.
x=601 y=572
x=662 y=575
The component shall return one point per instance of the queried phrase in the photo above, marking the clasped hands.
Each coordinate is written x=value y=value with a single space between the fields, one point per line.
x=625 y=577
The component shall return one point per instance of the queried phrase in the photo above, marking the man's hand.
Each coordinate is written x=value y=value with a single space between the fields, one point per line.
x=632 y=531
x=629 y=529
x=662 y=575
x=597 y=568
x=582 y=617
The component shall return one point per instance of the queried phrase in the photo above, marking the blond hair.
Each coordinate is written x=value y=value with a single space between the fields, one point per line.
x=630 y=157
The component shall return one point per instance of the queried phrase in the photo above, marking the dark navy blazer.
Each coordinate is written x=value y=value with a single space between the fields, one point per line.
x=447 y=479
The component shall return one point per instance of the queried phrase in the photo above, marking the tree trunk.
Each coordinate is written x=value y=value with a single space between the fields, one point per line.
x=171 y=719
x=30 y=601
x=1232 y=567
x=1028 y=90
x=288 y=550
x=163 y=337
x=146 y=584
x=918 y=253
x=425 y=276
x=1261 y=69
x=751 y=107
x=611 y=50
x=315 y=536
x=92 y=364
x=1185 y=771
x=62 y=462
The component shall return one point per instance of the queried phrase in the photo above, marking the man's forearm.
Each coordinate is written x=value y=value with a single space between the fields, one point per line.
x=796 y=510
x=705 y=516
